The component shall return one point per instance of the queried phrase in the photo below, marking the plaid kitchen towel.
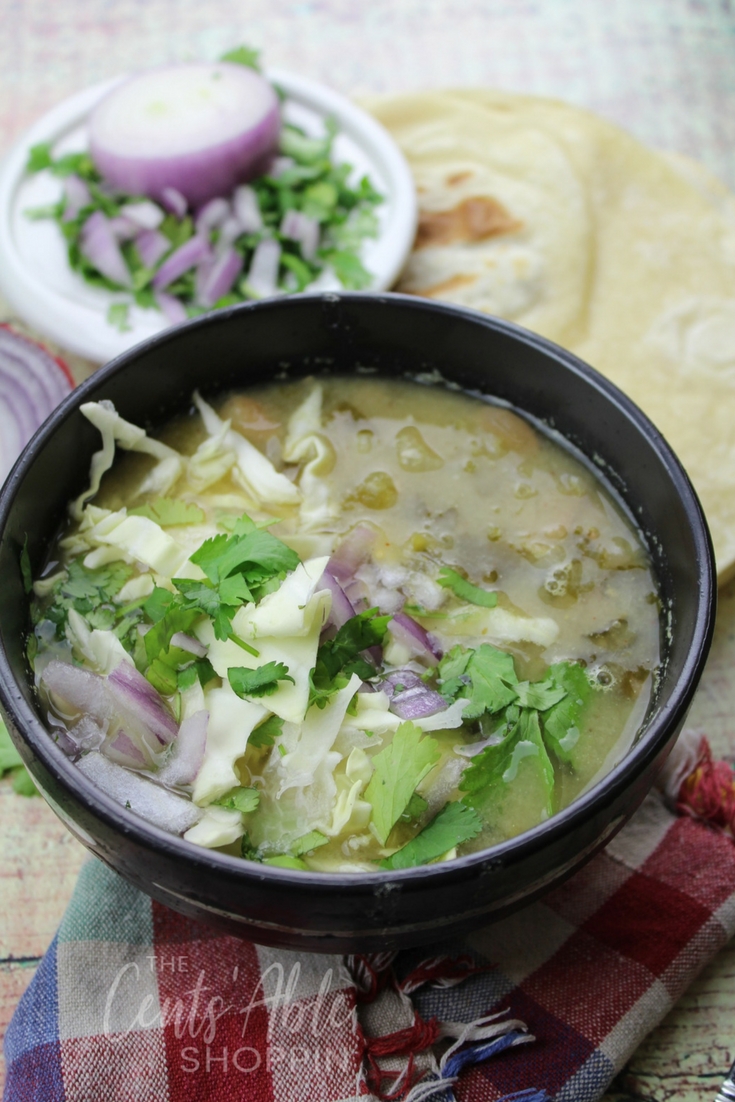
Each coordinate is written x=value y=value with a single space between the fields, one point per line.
x=135 y=1003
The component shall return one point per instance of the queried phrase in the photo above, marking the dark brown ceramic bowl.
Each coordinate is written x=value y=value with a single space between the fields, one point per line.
x=393 y=335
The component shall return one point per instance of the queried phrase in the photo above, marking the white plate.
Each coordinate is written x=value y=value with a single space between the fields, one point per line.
x=35 y=276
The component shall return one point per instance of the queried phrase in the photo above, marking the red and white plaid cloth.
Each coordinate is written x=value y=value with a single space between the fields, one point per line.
x=135 y=1003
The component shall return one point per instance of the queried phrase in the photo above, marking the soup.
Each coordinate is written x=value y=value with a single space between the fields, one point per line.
x=344 y=624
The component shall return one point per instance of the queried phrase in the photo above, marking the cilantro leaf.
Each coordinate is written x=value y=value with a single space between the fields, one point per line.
x=349 y=269
x=240 y=799
x=497 y=766
x=562 y=722
x=416 y=807
x=337 y=659
x=176 y=619
x=257 y=555
x=399 y=769
x=157 y=605
x=455 y=823
x=465 y=590
x=262 y=681
x=243 y=55
x=266 y=733
x=200 y=670
x=540 y=695
x=39 y=157
x=307 y=842
x=285 y=861
x=118 y=316
x=486 y=769
x=487 y=678
x=168 y=511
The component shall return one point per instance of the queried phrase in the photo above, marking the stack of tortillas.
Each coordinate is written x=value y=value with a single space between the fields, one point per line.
x=547 y=215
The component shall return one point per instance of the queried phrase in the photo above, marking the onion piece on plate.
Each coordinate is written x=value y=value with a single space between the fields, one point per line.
x=32 y=383
x=197 y=129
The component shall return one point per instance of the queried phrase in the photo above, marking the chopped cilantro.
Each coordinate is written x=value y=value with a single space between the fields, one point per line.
x=308 y=842
x=240 y=799
x=243 y=55
x=455 y=823
x=337 y=659
x=262 y=681
x=465 y=590
x=168 y=511
x=266 y=733
x=561 y=723
x=415 y=808
x=497 y=766
x=200 y=670
x=399 y=769
x=285 y=861
x=39 y=157
x=485 y=676
x=540 y=695
x=118 y=315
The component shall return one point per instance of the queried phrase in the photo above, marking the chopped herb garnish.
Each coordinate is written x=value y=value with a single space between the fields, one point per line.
x=266 y=733
x=455 y=823
x=337 y=659
x=262 y=681
x=399 y=769
x=240 y=799
x=308 y=842
x=465 y=590
x=168 y=511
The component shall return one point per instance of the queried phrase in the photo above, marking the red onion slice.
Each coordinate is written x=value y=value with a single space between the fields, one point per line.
x=352 y=552
x=188 y=643
x=262 y=279
x=417 y=703
x=299 y=227
x=32 y=383
x=212 y=215
x=172 y=308
x=218 y=277
x=145 y=214
x=77 y=196
x=200 y=129
x=136 y=693
x=183 y=259
x=247 y=209
x=342 y=609
x=151 y=246
x=405 y=630
x=174 y=202
x=187 y=754
x=99 y=245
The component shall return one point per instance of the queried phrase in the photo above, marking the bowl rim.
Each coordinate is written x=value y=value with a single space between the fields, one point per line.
x=665 y=718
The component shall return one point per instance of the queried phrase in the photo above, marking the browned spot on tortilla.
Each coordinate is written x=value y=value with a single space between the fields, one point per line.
x=441 y=288
x=473 y=219
x=458 y=178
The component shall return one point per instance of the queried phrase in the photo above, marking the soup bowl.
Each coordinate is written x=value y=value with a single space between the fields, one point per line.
x=394 y=335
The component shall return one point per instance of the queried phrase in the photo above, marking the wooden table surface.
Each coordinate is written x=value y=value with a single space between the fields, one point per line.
x=684 y=1059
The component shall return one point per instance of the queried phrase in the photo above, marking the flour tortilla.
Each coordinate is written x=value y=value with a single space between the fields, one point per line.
x=624 y=255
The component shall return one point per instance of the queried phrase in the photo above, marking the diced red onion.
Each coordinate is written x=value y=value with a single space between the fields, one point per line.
x=187 y=753
x=188 y=643
x=98 y=244
x=151 y=246
x=341 y=610
x=172 y=308
x=145 y=214
x=417 y=703
x=77 y=196
x=229 y=232
x=123 y=229
x=212 y=215
x=144 y=797
x=137 y=693
x=124 y=751
x=218 y=277
x=404 y=629
x=299 y=227
x=174 y=202
x=182 y=260
x=213 y=127
x=247 y=209
x=262 y=279
x=352 y=552
x=32 y=383
x=279 y=165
